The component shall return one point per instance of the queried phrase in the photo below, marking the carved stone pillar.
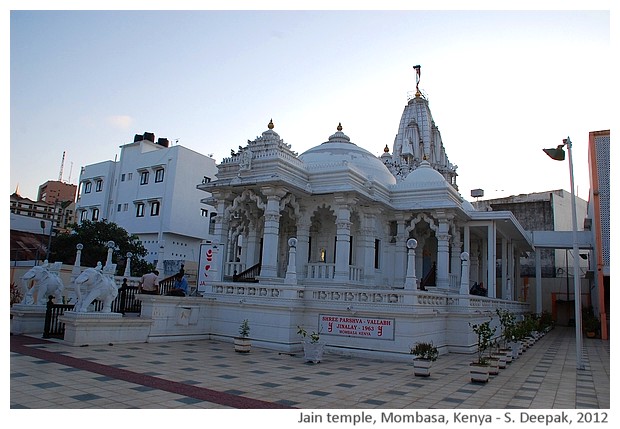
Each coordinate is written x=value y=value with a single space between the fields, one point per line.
x=221 y=235
x=251 y=257
x=491 y=243
x=443 y=252
x=504 y=265
x=269 y=265
x=303 y=243
x=343 y=237
x=367 y=245
x=474 y=263
x=400 y=256
x=455 y=253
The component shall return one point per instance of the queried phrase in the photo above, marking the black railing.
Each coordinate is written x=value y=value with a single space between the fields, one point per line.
x=166 y=284
x=54 y=328
x=125 y=302
x=248 y=275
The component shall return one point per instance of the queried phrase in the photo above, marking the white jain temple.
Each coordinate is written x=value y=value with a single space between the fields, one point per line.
x=374 y=253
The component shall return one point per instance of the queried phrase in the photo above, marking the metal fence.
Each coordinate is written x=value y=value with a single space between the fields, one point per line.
x=125 y=302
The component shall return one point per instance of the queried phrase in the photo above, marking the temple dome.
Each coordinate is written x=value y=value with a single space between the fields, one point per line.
x=339 y=150
x=425 y=176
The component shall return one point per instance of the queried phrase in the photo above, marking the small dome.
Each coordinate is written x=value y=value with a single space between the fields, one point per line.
x=339 y=149
x=468 y=207
x=425 y=176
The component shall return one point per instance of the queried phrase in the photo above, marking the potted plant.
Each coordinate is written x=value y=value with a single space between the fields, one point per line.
x=507 y=323
x=313 y=347
x=425 y=355
x=545 y=322
x=479 y=369
x=243 y=343
x=500 y=355
x=591 y=324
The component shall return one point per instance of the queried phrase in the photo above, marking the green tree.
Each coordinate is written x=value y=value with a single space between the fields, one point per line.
x=94 y=236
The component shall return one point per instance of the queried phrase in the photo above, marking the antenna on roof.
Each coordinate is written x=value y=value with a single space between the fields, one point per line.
x=62 y=164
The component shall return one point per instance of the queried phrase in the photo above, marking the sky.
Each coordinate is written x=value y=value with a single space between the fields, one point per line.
x=502 y=85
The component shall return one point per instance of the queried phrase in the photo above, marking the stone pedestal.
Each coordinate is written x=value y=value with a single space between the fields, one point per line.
x=103 y=328
x=27 y=319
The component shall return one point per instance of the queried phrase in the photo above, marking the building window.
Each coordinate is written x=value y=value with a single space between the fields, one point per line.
x=118 y=207
x=83 y=215
x=98 y=185
x=129 y=176
x=206 y=179
x=95 y=216
x=125 y=207
x=159 y=175
x=87 y=187
x=123 y=177
x=377 y=249
x=212 y=222
x=140 y=210
x=144 y=177
x=155 y=208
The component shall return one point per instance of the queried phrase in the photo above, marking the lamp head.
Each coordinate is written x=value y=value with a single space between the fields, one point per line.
x=558 y=153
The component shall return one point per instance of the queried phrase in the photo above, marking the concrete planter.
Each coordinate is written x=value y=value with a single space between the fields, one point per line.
x=515 y=347
x=242 y=345
x=508 y=353
x=493 y=366
x=422 y=367
x=479 y=373
x=501 y=359
x=313 y=352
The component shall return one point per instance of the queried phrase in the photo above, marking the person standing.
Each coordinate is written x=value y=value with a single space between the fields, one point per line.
x=149 y=283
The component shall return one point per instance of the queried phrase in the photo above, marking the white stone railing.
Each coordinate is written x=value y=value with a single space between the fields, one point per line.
x=355 y=273
x=246 y=290
x=389 y=297
x=320 y=270
x=355 y=295
x=454 y=281
x=230 y=268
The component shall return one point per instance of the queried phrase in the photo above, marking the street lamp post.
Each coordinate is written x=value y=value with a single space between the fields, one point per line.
x=558 y=155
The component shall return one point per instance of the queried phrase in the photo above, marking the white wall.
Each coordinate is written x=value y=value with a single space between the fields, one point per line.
x=179 y=225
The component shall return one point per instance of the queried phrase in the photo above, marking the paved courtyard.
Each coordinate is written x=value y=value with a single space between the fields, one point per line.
x=209 y=374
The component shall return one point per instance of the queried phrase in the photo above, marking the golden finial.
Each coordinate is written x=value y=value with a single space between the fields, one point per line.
x=424 y=158
x=339 y=128
x=270 y=126
x=386 y=149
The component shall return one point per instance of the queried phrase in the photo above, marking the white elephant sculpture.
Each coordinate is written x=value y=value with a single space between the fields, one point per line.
x=46 y=283
x=98 y=286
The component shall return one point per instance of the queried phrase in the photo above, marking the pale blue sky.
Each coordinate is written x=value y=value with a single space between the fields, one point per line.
x=501 y=85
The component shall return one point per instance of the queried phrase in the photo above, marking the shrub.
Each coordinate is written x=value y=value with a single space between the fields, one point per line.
x=426 y=351
x=484 y=333
x=16 y=294
x=314 y=336
x=244 y=329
